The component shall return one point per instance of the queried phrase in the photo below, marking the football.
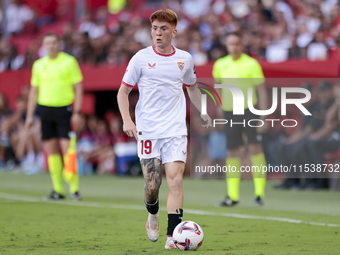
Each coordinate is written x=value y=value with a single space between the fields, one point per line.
x=188 y=235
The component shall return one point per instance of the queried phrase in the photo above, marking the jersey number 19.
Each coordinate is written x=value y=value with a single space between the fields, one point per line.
x=146 y=146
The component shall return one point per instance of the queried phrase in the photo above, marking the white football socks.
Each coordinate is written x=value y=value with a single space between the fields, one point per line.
x=153 y=220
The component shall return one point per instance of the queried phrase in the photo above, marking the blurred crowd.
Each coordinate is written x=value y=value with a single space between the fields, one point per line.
x=314 y=147
x=18 y=145
x=272 y=30
x=309 y=146
x=96 y=139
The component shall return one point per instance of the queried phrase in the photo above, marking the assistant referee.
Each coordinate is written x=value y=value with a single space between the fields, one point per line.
x=244 y=72
x=55 y=85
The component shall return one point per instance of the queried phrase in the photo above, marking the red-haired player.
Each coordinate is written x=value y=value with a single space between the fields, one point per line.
x=161 y=71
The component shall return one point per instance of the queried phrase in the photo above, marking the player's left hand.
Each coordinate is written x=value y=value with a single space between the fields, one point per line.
x=75 y=120
x=206 y=119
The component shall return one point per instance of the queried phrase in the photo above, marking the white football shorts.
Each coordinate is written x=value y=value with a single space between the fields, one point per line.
x=166 y=149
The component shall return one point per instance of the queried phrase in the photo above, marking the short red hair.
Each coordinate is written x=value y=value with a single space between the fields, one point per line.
x=165 y=15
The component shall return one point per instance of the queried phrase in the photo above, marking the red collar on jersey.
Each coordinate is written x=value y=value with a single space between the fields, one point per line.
x=164 y=55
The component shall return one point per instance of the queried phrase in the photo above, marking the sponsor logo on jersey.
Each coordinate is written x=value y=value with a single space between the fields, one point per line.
x=152 y=66
x=180 y=65
x=184 y=152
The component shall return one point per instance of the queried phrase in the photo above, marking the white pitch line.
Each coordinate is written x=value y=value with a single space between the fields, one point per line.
x=138 y=207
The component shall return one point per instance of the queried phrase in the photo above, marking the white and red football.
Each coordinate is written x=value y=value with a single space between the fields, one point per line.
x=188 y=236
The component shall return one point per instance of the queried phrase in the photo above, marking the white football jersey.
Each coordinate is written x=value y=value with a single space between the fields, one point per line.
x=161 y=108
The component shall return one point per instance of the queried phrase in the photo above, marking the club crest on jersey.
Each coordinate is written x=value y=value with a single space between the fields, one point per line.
x=152 y=66
x=180 y=65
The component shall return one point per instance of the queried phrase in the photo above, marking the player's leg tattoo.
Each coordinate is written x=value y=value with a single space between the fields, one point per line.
x=152 y=171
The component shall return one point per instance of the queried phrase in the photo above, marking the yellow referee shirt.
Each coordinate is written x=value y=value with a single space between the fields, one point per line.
x=244 y=73
x=55 y=79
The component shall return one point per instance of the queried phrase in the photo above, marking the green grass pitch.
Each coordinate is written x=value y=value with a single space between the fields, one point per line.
x=111 y=219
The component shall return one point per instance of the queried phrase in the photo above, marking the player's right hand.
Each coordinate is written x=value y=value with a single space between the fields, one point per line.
x=130 y=129
x=28 y=122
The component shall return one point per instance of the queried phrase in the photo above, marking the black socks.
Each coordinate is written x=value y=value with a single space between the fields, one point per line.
x=173 y=220
x=152 y=207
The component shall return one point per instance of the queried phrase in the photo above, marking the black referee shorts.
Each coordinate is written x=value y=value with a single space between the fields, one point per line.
x=235 y=133
x=55 y=121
